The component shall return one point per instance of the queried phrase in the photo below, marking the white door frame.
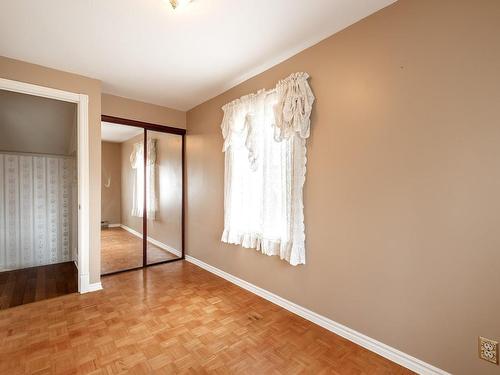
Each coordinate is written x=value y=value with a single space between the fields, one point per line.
x=82 y=102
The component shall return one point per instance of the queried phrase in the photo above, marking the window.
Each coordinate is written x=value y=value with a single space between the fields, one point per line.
x=265 y=163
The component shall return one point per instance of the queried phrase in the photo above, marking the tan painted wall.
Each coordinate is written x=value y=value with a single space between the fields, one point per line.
x=111 y=174
x=402 y=193
x=39 y=75
x=167 y=227
x=140 y=111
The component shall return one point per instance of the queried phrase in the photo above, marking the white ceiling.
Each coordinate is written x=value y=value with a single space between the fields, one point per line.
x=144 y=50
x=118 y=133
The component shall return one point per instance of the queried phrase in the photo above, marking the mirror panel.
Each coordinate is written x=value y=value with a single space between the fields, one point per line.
x=122 y=197
x=164 y=197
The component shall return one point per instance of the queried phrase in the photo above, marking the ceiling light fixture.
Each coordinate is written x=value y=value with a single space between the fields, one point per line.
x=179 y=3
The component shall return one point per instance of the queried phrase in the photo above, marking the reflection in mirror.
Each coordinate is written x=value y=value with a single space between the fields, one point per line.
x=164 y=197
x=121 y=188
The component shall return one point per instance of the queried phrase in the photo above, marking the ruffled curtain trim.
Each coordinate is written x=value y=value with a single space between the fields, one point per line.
x=241 y=131
x=293 y=110
x=295 y=255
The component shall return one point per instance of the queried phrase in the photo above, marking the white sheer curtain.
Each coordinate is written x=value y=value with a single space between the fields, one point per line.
x=137 y=162
x=265 y=163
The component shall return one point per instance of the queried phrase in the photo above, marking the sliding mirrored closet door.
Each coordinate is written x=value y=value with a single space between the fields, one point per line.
x=164 y=191
x=122 y=197
x=142 y=195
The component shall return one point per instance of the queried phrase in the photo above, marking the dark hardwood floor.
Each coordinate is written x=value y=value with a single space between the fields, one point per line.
x=19 y=287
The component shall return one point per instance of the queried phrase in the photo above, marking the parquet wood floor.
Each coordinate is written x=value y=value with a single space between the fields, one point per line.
x=27 y=285
x=121 y=250
x=169 y=319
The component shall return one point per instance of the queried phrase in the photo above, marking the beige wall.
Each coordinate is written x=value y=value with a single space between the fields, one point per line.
x=111 y=175
x=39 y=75
x=403 y=181
x=167 y=226
x=133 y=110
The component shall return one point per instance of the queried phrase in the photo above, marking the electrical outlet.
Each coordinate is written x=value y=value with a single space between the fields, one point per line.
x=488 y=350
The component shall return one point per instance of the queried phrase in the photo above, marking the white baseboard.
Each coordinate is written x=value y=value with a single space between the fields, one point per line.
x=114 y=225
x=165 y=247
x=84 y=285
x=373 y=345
x=94 y=287
x=161 y=245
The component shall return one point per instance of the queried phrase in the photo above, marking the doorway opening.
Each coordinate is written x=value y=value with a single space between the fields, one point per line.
x=38 y=198
x=142 y=194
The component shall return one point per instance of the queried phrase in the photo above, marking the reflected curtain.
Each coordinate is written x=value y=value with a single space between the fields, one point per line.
x=137 y=163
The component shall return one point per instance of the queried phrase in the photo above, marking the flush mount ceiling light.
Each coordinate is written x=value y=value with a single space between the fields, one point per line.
x=179 y=3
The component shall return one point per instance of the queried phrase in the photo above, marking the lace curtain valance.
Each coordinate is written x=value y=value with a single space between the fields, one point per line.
x=265 y=162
